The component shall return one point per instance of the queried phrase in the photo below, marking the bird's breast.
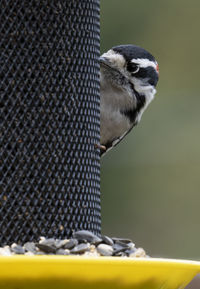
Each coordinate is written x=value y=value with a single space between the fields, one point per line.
x=113 y=123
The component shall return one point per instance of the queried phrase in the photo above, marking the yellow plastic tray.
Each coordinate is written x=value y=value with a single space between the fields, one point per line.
x=59 y=272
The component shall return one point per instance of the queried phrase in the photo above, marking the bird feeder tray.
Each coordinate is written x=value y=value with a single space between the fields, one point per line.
x=61 y=272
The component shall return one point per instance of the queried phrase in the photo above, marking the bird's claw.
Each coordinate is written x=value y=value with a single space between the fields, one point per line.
x=101 y=147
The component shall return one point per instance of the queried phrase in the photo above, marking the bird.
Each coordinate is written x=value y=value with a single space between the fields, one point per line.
x=128 y=79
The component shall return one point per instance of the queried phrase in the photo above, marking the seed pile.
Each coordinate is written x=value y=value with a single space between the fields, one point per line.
x=81 y=243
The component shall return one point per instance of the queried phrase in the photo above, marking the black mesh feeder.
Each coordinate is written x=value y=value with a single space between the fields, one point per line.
x=50 y=164
x=50 y=182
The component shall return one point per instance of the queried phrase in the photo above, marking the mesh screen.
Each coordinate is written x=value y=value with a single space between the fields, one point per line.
x=49 y=90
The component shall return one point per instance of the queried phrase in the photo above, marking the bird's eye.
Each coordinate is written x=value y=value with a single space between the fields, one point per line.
x=133 y=67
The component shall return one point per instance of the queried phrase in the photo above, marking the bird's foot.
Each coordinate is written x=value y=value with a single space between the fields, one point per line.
x=101 y=147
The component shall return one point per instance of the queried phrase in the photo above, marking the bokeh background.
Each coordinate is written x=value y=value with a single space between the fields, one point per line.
x=150 y=182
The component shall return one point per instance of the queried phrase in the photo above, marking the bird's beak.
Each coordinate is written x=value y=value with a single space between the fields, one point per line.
x=104 y=61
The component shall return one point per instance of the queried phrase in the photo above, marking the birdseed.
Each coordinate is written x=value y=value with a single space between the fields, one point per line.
x=83 y=243
x=105 y=250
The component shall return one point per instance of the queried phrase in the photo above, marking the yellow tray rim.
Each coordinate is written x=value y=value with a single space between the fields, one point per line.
x=114 y=261
x=95 y=269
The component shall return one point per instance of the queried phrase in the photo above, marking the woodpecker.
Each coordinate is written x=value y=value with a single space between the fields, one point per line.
x=128 y=77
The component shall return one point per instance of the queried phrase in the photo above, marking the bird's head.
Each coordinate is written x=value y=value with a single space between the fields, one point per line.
x=131 y=65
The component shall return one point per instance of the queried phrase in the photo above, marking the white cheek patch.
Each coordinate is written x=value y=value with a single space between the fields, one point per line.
x=143 y=62
x=115 y=58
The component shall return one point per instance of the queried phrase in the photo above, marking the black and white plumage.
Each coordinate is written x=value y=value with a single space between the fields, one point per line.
x=128 y=78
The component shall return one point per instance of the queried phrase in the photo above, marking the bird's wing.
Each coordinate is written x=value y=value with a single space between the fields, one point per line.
x=114 y=142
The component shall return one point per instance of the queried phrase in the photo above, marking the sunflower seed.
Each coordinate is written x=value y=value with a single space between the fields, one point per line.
x=61 y=243
x=46 y=248
x=107 y=240
x=17 y=249
x=117 y=246
x=105 y=250
x=121 y=240
x=62 y=252
x=71 y=244
x=87 y=236
x=30 y=247
x=48 y=242
x=81 y=248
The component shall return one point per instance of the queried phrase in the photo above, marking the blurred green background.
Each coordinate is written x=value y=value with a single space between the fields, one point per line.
x=150 y=182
